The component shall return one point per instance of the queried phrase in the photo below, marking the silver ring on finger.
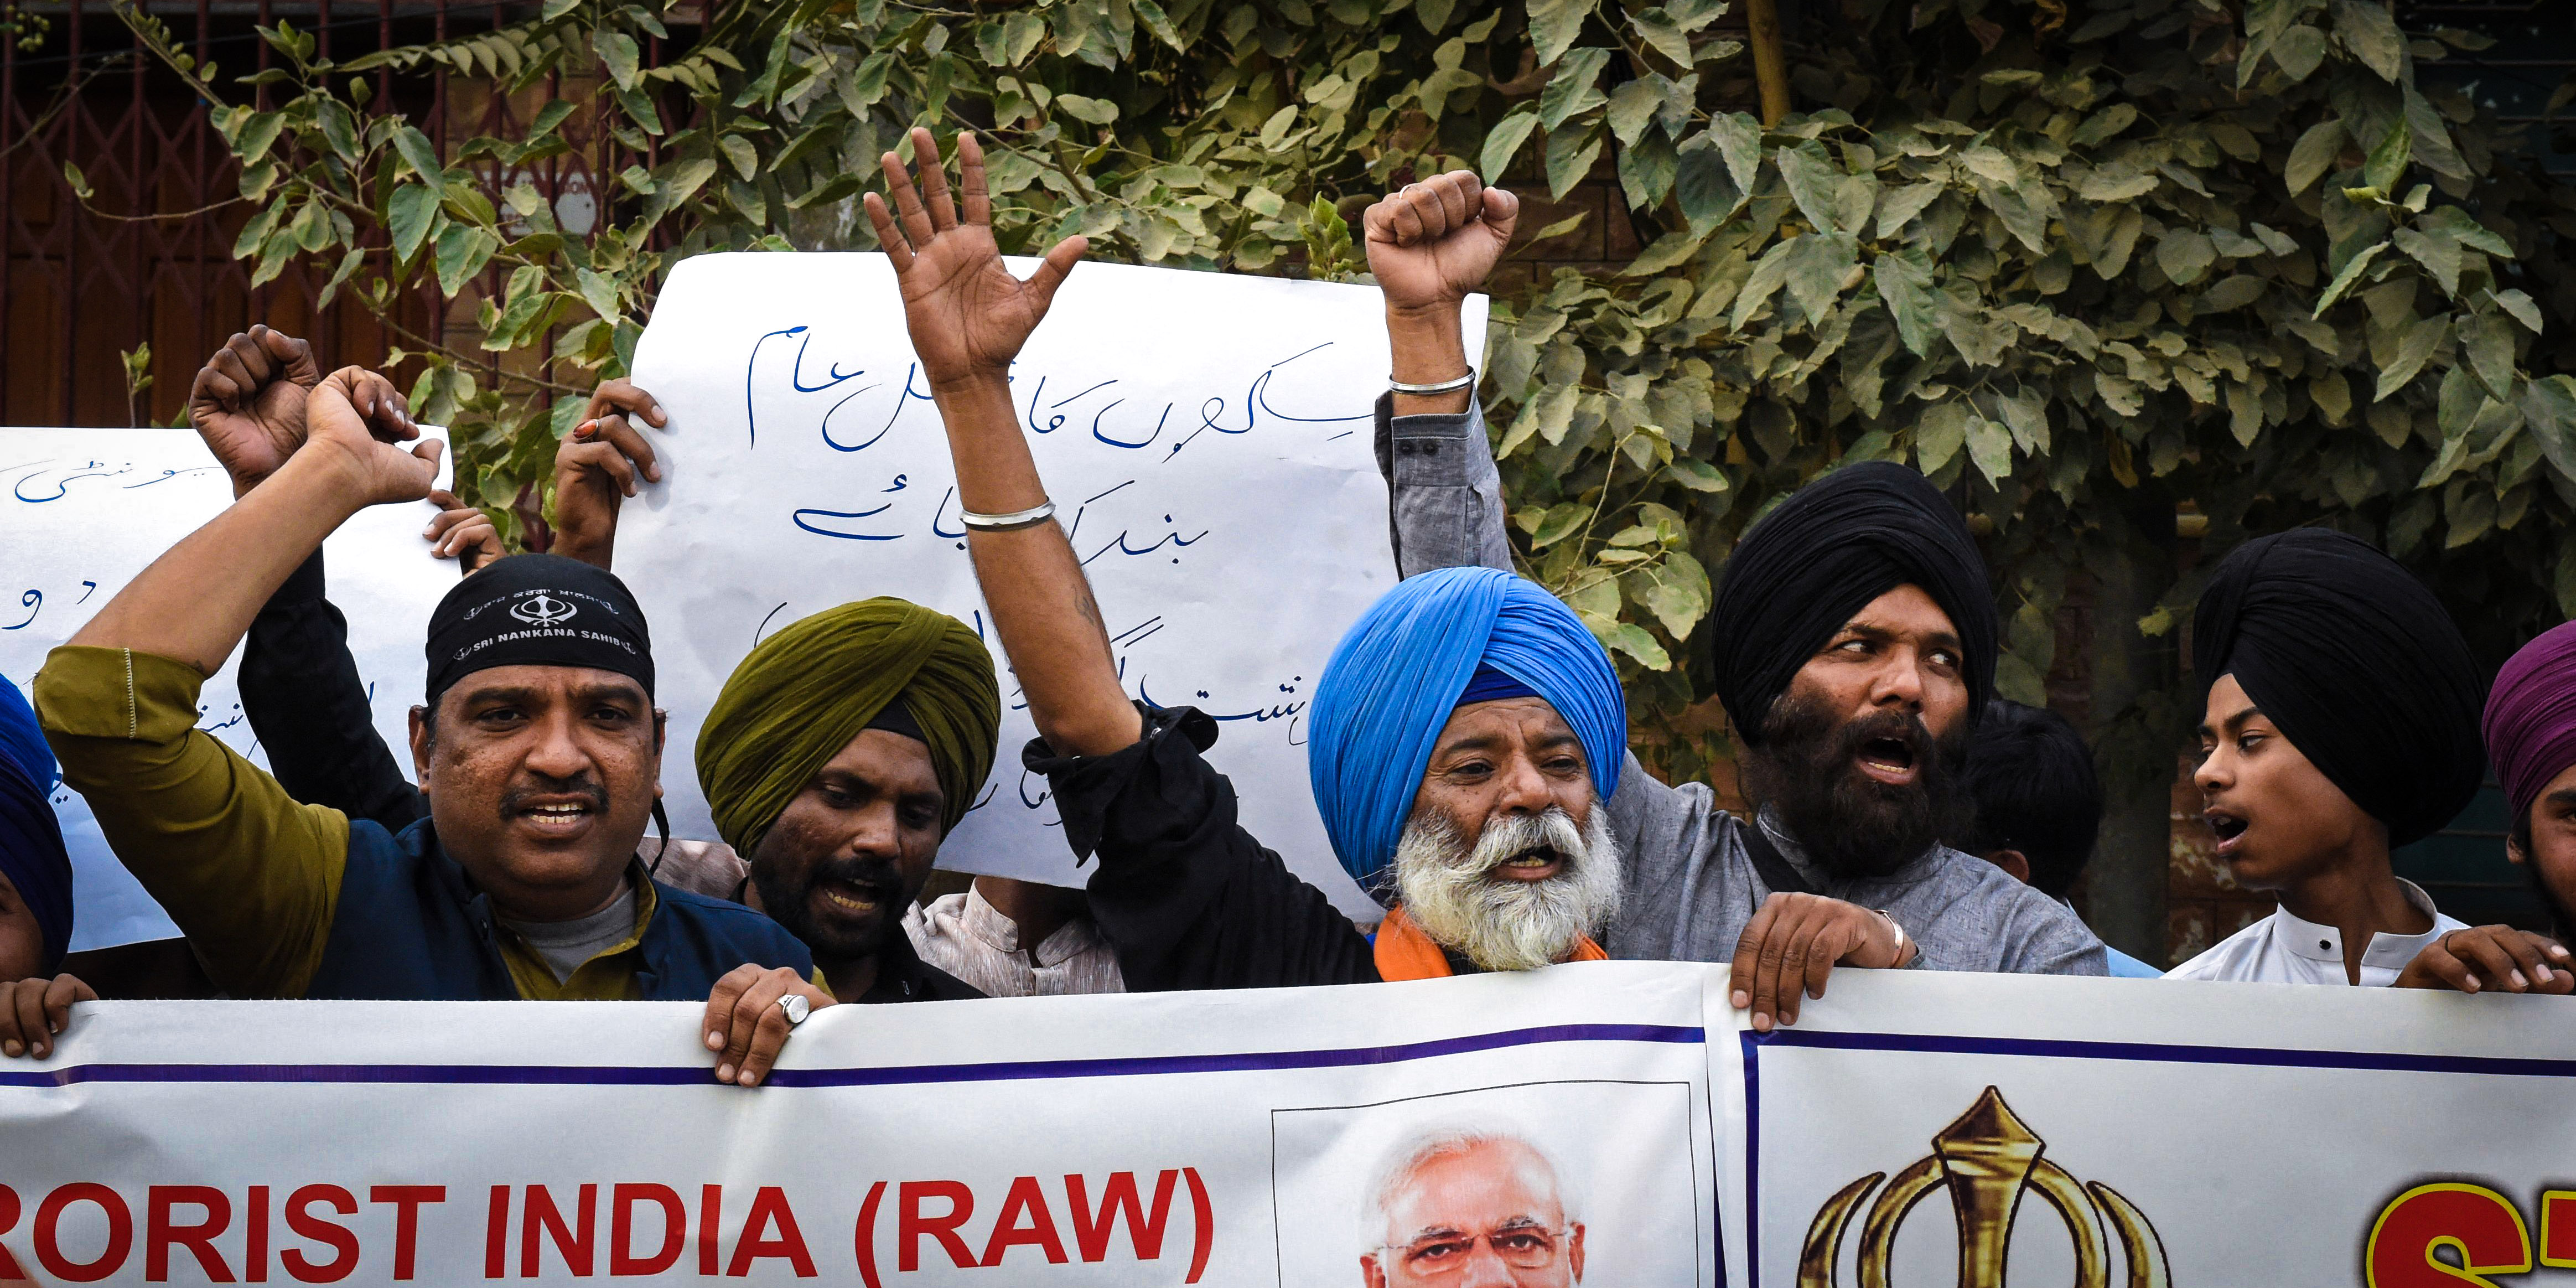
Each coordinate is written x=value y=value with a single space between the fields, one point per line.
x=795 y=1008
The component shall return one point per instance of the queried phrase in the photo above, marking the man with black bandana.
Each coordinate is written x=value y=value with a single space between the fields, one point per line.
x=539 y=751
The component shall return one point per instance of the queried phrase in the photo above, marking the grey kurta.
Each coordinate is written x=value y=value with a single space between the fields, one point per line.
x=1691 y=887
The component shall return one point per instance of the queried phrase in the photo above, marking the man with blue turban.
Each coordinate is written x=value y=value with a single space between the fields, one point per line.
x=1464 y=733
x=1853 y=641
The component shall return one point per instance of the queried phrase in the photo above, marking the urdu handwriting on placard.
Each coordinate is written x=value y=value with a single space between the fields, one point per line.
x=62 y=486
x=1211 y=412
x=34 y=600
x=167 y=475
x=805 y=519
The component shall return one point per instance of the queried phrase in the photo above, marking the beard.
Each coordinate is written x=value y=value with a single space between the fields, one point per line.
x=2561 y=924
x=1807 y=771
x=789 y=894
x=1453 y=890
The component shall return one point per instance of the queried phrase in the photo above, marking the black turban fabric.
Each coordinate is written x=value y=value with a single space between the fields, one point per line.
x=538 y=610
x=1814 y=562
x=2358 y=665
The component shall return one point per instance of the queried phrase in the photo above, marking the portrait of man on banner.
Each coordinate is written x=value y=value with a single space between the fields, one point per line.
x=1539 y=1185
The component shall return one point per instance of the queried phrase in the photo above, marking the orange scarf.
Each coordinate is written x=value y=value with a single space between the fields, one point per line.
x=1404 y=952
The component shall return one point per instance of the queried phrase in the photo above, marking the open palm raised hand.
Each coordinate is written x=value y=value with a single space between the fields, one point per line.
x=967 y=314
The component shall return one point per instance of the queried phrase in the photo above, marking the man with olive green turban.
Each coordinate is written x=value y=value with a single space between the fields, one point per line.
x=835 y=759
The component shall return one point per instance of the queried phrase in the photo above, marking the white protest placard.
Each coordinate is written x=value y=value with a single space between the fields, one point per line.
x=1989 y=1130
x=1208 y=442
x=84 y=510
x=1236 y=1140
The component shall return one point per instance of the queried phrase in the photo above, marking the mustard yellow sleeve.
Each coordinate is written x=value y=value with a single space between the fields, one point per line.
x=250 y=876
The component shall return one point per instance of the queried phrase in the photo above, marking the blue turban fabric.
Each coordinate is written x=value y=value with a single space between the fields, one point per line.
x=1410 y=660
x=31 y=837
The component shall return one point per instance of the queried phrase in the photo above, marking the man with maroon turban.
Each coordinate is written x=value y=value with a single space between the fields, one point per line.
x=2530 y=730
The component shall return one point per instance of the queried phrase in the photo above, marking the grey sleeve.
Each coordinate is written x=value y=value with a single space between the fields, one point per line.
x=2058 y=945
x=1445 y=494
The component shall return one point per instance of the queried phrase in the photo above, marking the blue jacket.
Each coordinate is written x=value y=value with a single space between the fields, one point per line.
x=409 y=926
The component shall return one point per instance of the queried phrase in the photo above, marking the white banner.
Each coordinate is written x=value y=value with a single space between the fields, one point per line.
x=1920 y=1128
x=1914 y=1128
x=1208 y=442
x=84 y=510
x=1240 y=1139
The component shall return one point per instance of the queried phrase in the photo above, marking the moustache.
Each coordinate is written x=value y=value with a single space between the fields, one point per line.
x=875 y=874
x=593 y=796
x=1897 y=734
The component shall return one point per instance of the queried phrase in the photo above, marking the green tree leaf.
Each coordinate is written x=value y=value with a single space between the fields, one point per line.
x=1811 y=180
x=619 y=53
x=1905 y=285
x=462 y=253
x=2369 y=30
x=1572 y=90
x=1990 y=448
x=2231 y=293
x=1939 y=435
x=1624 y=637
x=1570 y=154
x=2522 y=308
x=416 y=151
x=2313 y=155
x=1662 y=34
x=1702 y=185
x=2184 y=254
x=1504 y=141
x=2343 y=282
x=2440 y=256
x=1098 y=111
x=1553 y=25
x=2414 y=347
x=1632 y=108
x=413 y=209
x=2489 y=341
x=1739 y=139
x=2388 y=161
x=2299 y=51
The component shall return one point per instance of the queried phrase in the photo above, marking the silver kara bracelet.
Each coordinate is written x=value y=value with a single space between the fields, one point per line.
x=1012 y=522
x=1444 y=387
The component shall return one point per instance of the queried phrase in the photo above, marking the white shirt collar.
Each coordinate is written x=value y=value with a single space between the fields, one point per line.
x=2322 y=943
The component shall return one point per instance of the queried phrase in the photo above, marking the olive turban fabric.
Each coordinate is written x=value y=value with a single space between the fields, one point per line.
x=806 y=691
x=2358 y=665
x=1808 y=566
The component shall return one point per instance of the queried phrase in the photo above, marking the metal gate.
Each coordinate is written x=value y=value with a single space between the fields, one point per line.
x=147 y=258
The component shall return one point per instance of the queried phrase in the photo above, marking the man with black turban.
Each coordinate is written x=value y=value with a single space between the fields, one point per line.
x=539 y=750
x=1855 y=648
x=2341 y=722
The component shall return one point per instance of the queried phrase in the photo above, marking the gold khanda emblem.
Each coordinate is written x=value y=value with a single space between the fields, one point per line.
x=1988 y=1160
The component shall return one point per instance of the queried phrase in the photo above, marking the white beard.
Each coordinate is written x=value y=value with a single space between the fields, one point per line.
x=1452 y=892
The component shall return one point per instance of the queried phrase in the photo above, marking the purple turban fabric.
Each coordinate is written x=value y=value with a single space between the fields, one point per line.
x=2531 y=717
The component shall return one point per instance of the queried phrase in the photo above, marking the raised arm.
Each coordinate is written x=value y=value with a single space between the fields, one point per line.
x=1429 y=246
x=250 y=875
x=300 y=687
x=596 y=469
x=195 y=601
x=968 y=317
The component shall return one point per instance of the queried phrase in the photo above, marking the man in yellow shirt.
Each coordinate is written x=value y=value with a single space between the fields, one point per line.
x=539 y=751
